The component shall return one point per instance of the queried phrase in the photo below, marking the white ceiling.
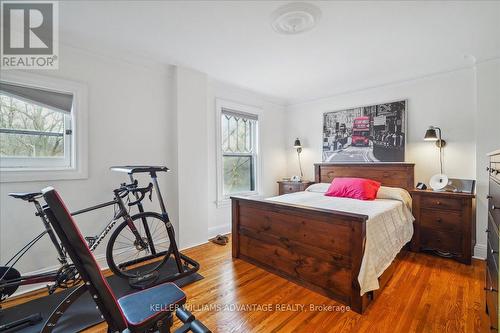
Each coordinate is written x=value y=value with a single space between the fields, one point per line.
x=355 y=45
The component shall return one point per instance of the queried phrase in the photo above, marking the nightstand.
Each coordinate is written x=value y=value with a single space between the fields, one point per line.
x=286 y=186
x=444 y=223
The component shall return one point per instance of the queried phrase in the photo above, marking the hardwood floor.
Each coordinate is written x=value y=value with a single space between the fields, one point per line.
x=426 y=294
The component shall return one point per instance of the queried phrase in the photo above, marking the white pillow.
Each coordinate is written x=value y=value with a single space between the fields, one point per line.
x=394 y=193
x=318 y=188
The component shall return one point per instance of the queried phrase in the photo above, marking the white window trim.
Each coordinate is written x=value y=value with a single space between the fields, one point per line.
x=221 y=104
x=79 y=158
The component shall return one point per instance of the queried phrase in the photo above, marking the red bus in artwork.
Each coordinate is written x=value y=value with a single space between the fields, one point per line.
x=361 y=131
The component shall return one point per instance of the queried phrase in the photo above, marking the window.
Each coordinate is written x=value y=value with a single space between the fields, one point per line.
x=238 y=150
x=41 y=128
x=32 y=133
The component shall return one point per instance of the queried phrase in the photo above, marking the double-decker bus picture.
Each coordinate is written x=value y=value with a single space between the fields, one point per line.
x=361 y=132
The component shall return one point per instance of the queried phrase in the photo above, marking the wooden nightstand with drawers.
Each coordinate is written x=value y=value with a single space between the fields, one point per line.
x=444 y=223
x=286 y=186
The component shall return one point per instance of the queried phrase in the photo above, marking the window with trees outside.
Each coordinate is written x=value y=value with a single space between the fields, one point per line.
x=239 y=152
x=35 y=128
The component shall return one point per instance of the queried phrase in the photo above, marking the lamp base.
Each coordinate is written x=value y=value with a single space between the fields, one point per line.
x=438 y=182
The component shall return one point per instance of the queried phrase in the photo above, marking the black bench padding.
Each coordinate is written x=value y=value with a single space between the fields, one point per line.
x=145 y=305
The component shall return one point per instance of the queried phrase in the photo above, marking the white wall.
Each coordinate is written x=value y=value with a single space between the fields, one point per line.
x=130 y=121
x=192 y=156
x=144 y=113
x=272 y=136
x=141 y=112
x=444 y=100
x=487 y=136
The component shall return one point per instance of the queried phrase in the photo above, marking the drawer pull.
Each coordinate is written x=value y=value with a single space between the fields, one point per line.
x=493 y=251
x=439 y=220
x=491 y=289
x=290 y=188
x=438 y=203
x=493 y=207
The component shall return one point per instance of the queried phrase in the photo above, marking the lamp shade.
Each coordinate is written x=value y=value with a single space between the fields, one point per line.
x=297 y=144
x=430 y=135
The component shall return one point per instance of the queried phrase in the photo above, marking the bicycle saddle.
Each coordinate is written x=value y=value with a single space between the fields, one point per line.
x=25 y=195
x=130 y=169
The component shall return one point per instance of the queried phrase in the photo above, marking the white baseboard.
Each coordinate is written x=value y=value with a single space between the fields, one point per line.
x=190 y=246
x=219 y=230
x=480 y=251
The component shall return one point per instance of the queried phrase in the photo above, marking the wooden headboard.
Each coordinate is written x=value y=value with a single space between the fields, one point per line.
x=389 y=174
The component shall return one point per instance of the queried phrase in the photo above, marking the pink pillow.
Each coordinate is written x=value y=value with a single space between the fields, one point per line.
x=355 y=188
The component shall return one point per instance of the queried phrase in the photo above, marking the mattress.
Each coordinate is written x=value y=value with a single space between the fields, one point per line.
x=388 y=228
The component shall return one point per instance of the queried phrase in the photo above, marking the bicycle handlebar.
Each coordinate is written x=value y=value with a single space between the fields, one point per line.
x=139 y=192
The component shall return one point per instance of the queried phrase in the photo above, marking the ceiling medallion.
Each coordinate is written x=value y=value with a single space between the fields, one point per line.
x=295 y=18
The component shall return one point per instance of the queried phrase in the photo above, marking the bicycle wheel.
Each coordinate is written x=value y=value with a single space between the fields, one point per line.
x=128 y=258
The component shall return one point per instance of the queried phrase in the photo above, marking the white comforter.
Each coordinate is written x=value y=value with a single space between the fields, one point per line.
x=388 y=228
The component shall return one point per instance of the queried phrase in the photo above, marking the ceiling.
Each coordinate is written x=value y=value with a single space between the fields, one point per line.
x=355 y=45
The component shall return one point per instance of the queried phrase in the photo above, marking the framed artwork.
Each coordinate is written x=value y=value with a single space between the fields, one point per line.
x=366 y=134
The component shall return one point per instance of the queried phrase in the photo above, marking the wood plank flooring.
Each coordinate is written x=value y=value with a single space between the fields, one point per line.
x=426 y=294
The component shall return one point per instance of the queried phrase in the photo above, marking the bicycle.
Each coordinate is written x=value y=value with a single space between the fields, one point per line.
x=150 y=234
x=185 y=265
x=66 y=276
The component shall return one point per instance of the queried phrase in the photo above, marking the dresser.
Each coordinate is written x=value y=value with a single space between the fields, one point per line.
x=444 y=224
x=491 y=278
x=287 y=186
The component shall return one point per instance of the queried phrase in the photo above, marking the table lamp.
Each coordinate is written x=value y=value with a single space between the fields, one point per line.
x=439 y=181
x=297 y=145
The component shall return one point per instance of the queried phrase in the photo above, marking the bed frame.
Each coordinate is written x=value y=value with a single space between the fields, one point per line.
x=319 y=249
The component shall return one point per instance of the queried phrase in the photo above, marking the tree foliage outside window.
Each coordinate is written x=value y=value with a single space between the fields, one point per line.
x=238 y=153
x=28 y=130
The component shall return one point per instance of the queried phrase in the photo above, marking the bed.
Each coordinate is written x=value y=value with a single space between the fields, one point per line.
x=306 y=240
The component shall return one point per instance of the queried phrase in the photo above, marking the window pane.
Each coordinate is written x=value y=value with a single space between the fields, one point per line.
x=21 y=145
x=238 y=172
x=29 y=130
x=236 y=134
x=248 y=140
x=225 y=132
x=242 y=135
x=233 y=134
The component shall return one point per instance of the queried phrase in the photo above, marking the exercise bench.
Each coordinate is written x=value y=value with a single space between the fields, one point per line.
x=148 y=310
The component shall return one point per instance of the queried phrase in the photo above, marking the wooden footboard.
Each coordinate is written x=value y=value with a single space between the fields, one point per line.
x=317 y=248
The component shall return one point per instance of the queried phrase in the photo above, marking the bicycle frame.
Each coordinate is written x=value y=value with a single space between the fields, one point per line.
x=95 y=241
x=31 y=279
x=121 y=214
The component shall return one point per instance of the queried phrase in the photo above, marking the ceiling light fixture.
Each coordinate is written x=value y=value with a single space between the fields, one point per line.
x=295 y=18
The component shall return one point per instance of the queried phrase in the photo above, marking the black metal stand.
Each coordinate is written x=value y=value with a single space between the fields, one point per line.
x=185 y=265
x=51 y=322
